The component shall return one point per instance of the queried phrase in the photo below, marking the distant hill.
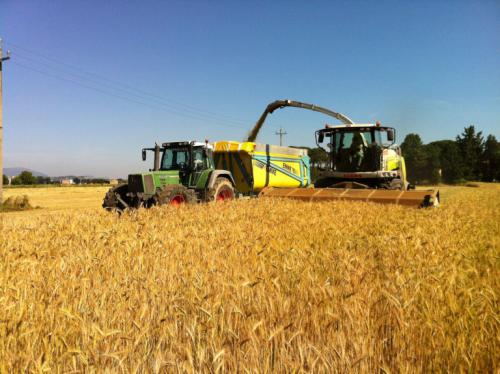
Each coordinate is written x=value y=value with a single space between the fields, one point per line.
x=14 y=172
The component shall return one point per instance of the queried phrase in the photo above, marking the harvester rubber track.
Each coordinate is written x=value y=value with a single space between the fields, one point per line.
x=417 y=199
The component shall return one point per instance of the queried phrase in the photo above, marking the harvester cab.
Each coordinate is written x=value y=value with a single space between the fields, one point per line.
x=363 y=156
x=183 y=172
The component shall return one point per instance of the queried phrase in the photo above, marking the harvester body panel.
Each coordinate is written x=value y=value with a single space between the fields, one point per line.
x=256 y=166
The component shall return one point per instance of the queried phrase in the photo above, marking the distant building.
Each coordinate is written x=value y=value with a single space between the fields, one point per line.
x=67 y=181
x=113 y=182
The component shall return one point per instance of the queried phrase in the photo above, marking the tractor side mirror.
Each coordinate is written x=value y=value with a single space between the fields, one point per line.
x=390 y=135
x=321 y=137
x=143 y=155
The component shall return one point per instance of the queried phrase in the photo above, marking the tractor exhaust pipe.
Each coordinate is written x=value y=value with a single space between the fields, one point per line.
x=157 y=158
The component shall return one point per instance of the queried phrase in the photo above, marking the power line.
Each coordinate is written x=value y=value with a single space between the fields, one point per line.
x=174 y=112
x=126 y=86
x=128 y=92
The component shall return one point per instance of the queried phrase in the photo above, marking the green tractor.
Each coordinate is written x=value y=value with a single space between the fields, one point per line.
x=183 y=172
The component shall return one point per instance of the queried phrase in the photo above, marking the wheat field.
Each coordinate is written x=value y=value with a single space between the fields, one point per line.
x=251 y=286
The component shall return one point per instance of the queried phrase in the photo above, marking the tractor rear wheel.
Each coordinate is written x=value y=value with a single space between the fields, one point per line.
x=116 y=199
x=175 y=195
x=221 y=191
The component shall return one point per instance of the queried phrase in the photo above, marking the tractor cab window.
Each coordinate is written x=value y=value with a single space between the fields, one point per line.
x=175 y=159
x=199 y=159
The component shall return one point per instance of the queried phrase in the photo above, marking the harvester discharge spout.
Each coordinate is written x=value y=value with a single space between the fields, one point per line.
x=278 y=104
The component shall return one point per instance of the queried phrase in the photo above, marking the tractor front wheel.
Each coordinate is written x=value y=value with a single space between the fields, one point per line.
x=174 y=195
x=116 y=199
x=222 y=190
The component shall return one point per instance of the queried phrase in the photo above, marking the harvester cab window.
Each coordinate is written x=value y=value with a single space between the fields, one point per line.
x=350 y=149
x=175 y=159
x=378 y=137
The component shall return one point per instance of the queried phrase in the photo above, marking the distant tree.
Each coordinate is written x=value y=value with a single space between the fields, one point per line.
x=15 y=181
x=96 y=181
x=318 y=156
x=471 y=145
x=77 y=180
x=415 y=158
x=42 y=180
x=491 y=160
x=450 y=161
x=25 y=178
x=5 y=180
x=432 y=170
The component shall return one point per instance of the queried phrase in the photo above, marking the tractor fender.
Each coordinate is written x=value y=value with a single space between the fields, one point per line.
x=219 y=173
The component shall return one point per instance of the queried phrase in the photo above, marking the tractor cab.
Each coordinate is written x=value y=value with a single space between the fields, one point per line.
x=186 y=160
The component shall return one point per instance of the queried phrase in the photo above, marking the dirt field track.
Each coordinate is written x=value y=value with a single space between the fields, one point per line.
x=250 y=286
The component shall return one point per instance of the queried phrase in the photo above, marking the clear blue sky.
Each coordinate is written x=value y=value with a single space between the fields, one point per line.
x=91 y=82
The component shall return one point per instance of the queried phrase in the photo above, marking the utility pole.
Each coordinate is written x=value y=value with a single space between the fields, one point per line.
x=2 y=59
x=281 y=133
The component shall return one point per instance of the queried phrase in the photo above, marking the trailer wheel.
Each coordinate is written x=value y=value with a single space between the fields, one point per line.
x=116 y=200
x=174 y=195
x=222 y=190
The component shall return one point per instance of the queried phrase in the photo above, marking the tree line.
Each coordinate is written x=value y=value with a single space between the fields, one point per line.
x=27 y=178
x=469 y=157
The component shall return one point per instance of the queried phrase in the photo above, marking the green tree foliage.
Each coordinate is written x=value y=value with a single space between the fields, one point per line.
x=319 y=158
x=5 y=180
x=450 y=161
x=491 y=159
x=432 y=159
x=42 y=180
x=471 y=145
x=24 y=178
x=415 y=158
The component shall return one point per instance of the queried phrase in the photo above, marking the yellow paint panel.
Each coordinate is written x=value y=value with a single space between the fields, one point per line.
x=279 y=167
